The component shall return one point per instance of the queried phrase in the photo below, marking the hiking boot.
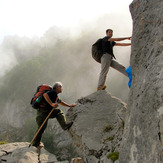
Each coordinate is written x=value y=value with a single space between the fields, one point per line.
x=101 y=88
x=68 y=125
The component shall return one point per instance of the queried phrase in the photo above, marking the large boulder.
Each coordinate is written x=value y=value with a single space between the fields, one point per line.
x=143 y=133
x=98 y=126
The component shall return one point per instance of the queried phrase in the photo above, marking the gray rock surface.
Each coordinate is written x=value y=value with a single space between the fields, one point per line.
x=143 y=134
x=98 y=126
x=21 y=153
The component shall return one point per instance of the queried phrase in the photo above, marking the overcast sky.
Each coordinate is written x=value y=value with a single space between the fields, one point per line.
x=33 y=17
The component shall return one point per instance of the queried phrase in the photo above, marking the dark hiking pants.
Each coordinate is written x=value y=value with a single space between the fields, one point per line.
x=42 y=113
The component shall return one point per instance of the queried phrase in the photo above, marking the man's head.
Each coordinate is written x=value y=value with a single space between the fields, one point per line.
x=57 y=87
x=109 y=32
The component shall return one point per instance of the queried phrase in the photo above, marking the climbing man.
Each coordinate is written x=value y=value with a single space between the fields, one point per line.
x=50 y=101
x=107 y=57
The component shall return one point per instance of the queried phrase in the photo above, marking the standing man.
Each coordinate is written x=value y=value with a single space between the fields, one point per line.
x=51 y=100
x=107 y=57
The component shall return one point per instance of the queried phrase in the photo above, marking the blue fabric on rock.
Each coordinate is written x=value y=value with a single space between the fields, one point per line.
x=129 y=72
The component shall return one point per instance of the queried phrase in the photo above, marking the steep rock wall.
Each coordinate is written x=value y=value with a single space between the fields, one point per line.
x=143 y=134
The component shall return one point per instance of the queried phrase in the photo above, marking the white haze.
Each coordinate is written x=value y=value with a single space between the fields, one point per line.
x=32 y=18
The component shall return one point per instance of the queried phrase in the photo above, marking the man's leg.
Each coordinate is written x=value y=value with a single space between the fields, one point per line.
x=59 y=115
x=118 y=67
x=41 y=116
x=105 y=64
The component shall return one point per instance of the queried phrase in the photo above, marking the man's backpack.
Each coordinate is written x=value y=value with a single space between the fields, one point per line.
x=97 y=50
x=36 y=100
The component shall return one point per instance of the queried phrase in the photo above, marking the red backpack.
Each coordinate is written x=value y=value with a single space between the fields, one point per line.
x=36 y=100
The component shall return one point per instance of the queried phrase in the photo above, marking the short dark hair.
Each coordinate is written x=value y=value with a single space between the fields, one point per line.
x=108 y=30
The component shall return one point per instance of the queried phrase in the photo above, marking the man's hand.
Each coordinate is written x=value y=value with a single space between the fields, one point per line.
x=72 y=105
x=67 y=105
x=54 y=105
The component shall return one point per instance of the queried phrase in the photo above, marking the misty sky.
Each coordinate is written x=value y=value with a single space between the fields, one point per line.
x=33 y=17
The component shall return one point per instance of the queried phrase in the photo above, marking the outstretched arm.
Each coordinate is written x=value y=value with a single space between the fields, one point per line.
x=67 y=105
x=122 y=44
x=119 y=39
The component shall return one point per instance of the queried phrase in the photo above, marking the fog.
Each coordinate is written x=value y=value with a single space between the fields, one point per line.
x=15 y=49
x=122 y=26
x=59 y=55
x=42 y=42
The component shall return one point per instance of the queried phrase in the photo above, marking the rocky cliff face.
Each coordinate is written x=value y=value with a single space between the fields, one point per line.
x=143 y=133
x=98 y=126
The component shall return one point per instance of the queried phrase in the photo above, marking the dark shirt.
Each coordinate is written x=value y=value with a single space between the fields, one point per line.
x=53 y=97
x=107 y=46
